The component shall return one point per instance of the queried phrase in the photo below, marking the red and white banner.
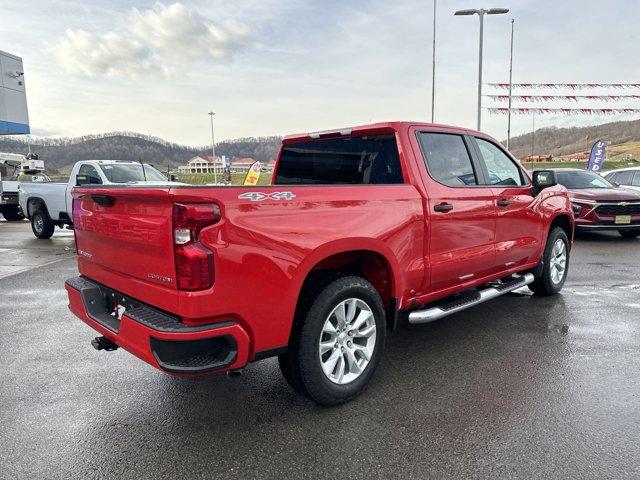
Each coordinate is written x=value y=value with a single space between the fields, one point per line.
x=570 y=86
x=565 y=111
x=571 y=98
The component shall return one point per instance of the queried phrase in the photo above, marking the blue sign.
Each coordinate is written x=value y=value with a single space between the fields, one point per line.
x=597 y=156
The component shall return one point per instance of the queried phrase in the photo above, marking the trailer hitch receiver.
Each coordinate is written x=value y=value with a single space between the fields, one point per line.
x=103 y=343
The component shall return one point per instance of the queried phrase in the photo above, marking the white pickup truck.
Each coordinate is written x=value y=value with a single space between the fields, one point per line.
x=12 y=165
x=47 y=204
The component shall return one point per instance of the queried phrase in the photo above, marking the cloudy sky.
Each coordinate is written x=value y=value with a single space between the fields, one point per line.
x=281 y=66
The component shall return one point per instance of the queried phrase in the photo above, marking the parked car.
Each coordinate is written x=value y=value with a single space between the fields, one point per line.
x=361 y=227
x=48 y=204
x=600 y=205
x=627 y=177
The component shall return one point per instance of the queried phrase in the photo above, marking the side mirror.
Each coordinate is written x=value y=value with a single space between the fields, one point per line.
x=81 y=180
x=173 y=178
x=543 y=179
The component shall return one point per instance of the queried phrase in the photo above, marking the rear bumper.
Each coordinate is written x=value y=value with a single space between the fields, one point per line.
x=9 y=198
x=156 y=337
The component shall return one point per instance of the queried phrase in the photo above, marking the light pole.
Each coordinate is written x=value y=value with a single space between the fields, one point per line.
x=433 y=65
x=510 y=80
x=481 y=13
x=213 y=150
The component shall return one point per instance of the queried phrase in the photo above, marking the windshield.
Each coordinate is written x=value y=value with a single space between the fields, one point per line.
x=578 y=180
x=131 y=172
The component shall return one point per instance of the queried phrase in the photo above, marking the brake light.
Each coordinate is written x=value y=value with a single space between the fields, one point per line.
x=194 y=262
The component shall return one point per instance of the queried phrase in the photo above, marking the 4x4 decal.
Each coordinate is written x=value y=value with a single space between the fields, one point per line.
x=259 y=196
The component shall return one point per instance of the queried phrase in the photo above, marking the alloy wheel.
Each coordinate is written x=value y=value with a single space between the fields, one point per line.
x=558 y=261
x=347 y=341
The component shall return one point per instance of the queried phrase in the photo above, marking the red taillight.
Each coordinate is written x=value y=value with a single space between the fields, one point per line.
x=194 y=262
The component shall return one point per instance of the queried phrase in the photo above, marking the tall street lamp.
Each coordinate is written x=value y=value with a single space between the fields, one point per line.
x=213 y=150
x=481 y=12
x=433 y=66
x=510 y=89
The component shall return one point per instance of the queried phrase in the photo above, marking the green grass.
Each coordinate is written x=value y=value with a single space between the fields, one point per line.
x=204 y=178
x=265 y=178
x=192 y=178
x=608 y=165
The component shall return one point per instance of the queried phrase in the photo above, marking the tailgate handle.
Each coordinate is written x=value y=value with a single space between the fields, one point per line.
x=103 y=200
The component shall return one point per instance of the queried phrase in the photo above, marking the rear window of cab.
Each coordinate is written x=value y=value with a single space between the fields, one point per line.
x=370 y=160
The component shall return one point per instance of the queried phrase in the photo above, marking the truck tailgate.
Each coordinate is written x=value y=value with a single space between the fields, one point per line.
x=125 y=231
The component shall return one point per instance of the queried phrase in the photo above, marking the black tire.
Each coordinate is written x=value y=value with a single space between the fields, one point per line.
x=12 y=213
x=629 y=233
x=302 y=366
x=291 y=375
x=544 y=284
x=41 y=224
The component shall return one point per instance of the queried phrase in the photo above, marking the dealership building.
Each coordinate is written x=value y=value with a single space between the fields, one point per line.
x=205 y=164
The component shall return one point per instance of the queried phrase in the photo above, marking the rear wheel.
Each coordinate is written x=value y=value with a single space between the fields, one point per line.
x=339 y=344
x=629 y=233
x=555 y=264
x=41 y=224
x=11 y=213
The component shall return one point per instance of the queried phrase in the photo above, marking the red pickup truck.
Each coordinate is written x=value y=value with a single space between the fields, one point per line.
x=361 y=227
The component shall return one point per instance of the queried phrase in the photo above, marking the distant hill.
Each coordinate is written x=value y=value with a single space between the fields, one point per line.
x=60 y=153
x=560 y=141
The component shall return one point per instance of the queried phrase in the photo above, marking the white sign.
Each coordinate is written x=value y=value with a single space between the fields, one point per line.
x=14 y=117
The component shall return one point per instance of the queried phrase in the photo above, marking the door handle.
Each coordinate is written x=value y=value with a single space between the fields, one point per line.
x=503 y=202
x=443 y=207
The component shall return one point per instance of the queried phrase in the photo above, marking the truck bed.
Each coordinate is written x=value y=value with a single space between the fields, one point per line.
x=53 y=194
x=267 y=240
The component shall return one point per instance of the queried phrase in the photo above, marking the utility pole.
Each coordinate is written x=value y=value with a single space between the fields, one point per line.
x=510 y=81
x=433 y=66
x=213 y=150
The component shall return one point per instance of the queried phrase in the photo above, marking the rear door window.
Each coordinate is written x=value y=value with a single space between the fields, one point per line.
x=91 y=173
x=447 y=159
x=501 y=169
x=636 y=179
x=340 y=161
x=623 y=178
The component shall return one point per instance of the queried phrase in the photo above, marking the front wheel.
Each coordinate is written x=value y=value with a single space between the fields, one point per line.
x=339 y=344
x=555 y=264
x=629 y=233
x=41 y=224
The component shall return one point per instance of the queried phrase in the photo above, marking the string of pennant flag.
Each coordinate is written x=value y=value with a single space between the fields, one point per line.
x=571 y=98
x=537 y=97
x=564 y=111
x=570 y=86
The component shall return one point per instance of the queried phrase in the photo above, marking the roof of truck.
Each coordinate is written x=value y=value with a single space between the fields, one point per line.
x=376 y=128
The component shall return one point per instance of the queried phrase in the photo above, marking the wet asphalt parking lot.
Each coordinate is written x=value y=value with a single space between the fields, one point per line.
x=520 y=387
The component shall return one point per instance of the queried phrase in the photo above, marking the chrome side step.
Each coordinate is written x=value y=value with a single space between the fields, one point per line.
x=477 y=297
